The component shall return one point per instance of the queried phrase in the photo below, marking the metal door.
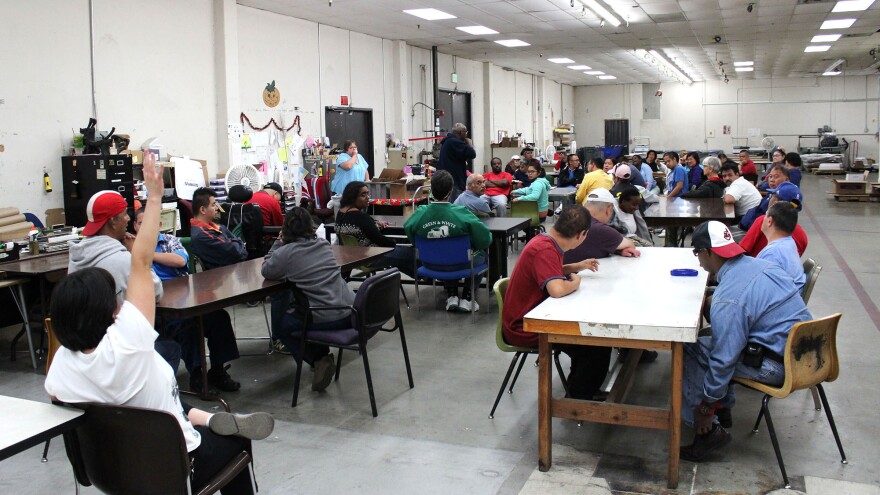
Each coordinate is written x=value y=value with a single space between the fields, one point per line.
x=617 y=133
x=345 y=123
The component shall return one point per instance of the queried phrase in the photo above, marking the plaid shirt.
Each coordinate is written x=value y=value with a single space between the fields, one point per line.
x=170 y=244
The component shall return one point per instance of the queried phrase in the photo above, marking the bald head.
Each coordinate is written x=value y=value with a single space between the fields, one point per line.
x=476 y=184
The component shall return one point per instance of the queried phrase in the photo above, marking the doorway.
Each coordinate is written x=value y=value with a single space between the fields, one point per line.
x=617 y=133
x=457 y=108
x=343 y=123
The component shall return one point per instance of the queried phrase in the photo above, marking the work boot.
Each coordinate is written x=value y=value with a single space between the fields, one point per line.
x=324 y=370
x=220 y=378
x=705 y=444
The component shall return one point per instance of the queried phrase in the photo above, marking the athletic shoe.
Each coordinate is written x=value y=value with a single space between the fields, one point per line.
x=466 y=305
x=254 y=426
x=324 y=370
x=452 y=303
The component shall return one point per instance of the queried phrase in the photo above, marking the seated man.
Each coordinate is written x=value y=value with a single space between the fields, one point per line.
x=170 y=261
x=573 y=174
x=498 y=183
x=594 y=178
x=777 y=173
x=713 y=186
x=212 y=243
x=755 y=240
x=793 y=163
x=778 y=225
x=269 y=200
x=747 y=167
x=442 y=219
x=539 y=273
x=740 y=192
x=107 y=245
x=603 y=240
x=775 y=178
x=472 y=198
x=628 y=218
x=645 y=171
x=753 y=309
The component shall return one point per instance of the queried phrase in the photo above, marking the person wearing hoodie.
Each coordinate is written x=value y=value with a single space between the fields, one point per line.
x=455 y=150
x=538 y=191
x=107 y=245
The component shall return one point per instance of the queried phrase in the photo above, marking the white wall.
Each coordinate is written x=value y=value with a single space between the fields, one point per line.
x=782 y=108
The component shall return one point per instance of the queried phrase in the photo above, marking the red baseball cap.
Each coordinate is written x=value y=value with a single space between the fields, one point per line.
x=103 y=206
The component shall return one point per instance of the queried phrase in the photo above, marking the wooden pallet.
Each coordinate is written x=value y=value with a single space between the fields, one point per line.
x=829 y=172
x=863 y=198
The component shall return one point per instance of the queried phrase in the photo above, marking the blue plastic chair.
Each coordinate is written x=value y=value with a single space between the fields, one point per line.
x=451 y=252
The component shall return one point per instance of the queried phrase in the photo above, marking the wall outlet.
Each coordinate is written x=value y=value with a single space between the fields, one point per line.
x=710 y=134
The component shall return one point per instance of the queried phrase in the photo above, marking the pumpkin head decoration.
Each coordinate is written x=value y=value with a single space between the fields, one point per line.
x=271 y=95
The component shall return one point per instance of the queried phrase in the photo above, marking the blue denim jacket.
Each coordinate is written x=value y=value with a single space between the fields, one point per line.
x=756 y=301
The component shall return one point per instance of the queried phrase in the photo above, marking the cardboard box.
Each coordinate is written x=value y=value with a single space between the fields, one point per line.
x=55 y=216
x=397 y=158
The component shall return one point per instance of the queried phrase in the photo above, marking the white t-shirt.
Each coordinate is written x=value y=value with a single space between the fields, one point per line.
x=124 y=369
x=745 y=194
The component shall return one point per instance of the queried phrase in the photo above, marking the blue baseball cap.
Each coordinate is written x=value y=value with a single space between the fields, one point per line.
x=787 y=191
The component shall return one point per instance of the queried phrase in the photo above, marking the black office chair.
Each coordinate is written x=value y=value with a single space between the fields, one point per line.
x=375 y=304
x=132 y=450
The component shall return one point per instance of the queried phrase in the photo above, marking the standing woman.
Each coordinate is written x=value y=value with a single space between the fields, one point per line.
x=350 y=165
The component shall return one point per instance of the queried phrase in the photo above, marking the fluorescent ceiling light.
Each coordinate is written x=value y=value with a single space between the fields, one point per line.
x=594 y=73
x=817 y=48
x=580 y=67
x=852 y=5
x=837 y=24
x=748 y=63
x=477 y=30
x=669 y=65
x=607 y=77
x=429 y=14
x=744 y=69
x=561 y=60
x=825 y=38
x=512 y=43
x=602 y=12
x=837 y=73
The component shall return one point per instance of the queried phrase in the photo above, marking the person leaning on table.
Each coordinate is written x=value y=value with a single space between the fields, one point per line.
x=753 y=309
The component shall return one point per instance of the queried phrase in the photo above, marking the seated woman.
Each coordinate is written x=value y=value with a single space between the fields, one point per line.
x=300 y=257
x=354 y=221
x=108 y=357
x=537 y=191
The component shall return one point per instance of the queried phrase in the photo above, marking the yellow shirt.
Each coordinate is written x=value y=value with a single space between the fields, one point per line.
x=593 y=180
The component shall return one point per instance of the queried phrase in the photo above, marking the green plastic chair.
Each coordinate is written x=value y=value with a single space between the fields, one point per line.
x=520 y=353
x=191 y=258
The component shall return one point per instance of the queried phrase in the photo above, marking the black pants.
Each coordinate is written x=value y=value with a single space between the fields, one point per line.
x=213 y=454
x=589 y=365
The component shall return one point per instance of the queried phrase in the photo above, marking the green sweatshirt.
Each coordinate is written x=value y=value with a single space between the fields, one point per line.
x=438 y=220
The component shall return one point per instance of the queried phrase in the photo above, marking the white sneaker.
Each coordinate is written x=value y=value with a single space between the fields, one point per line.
x=467 y=305
x=558 y=210
x=660 y=233
x=452 y=303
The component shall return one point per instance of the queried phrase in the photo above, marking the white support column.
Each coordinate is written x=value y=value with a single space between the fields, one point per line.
x=226 y=71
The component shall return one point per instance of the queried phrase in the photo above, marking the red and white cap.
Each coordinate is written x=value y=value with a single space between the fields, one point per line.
x=102 y=206
x=716 y=236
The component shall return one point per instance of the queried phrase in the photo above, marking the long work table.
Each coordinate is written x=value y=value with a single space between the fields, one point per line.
x=688 y=212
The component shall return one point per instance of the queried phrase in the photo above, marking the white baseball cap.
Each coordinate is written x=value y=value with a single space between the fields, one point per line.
x=516 y=157
x=600 y=195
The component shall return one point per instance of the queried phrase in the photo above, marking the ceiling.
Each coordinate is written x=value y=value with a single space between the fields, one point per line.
x=773 y=35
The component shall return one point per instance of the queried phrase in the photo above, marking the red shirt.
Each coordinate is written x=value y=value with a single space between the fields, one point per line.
x=539 y=263
x=748 y=168
x=755 y=240
x=498 y=191
x=269 y=207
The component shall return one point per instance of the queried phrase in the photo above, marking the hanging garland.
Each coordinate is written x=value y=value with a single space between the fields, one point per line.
x=244 y=118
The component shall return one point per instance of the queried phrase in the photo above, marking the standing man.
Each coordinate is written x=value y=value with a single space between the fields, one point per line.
x=498 y=183
x=269 y=200
x=753 y=310
x=676 y=185
x=472 y=199
x=455 y=150
x=594 y=178
x=740 y=192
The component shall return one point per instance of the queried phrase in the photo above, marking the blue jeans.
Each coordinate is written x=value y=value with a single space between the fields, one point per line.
x=696 y=363
x=402 y=258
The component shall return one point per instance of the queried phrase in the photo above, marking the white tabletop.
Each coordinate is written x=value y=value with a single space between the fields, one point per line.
x=23 y=419
x=634 y=298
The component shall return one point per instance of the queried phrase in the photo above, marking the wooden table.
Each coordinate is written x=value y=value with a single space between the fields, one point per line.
x=688 y=212
x=501 y=227
x=600 y=313
x=564 y=194
x=201 y=293
x=27 y=423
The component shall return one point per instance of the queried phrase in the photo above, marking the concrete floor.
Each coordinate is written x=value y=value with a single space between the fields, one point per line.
x=436 y=438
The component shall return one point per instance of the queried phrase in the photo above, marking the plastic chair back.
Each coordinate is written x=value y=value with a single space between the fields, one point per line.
x=186 y=242
x=446 y=251
x=376 y=301
x=811 y=354
x=500 y=289
x=30 y=217
x=811 y=270
x=526 y=209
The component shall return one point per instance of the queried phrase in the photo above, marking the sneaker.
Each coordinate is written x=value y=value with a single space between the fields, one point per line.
x=220 y=378
x=558 y=210
x=452 y=303
x=324 y=370
x=195 y=383
x=705 y=444
x=724 y=417
x=466 y=305
x=278 y=347
x=254 y=426
x=660 y=233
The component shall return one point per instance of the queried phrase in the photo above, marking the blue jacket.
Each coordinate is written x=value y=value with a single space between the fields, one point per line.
x=756 y=301
x=749 y=218
x=454 y=154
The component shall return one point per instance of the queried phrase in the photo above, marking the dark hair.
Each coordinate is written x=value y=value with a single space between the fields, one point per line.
x=441 y=185
x=496 y=158
x=628 y=192
x=695 y=155
x=527 y=148
x=351 y=193
x=781 y=168
x=82 y=308
x=202 y=197
x=535 y=164
x=722 y=157
x=784 y=215
x=794 y=159
x=348 y=143
x=597 y=162
x=297 y=225
x=649 y=152
x=568 y=157
x=730 y=166
x=613 y=160
x=673 y=155
x=573 y=220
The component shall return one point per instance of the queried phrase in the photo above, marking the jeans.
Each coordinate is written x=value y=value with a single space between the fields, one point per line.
x=290 y=333
x=696 y=363
x=498 y=203
x=402 y=258
x=218 y=333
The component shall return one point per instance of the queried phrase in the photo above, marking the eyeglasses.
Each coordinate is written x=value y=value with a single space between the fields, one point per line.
x=698 y=250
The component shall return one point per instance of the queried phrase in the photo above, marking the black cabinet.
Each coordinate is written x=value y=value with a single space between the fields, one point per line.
x=85 y=175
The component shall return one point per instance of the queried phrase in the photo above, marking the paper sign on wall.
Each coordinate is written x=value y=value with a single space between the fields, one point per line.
x=188 y=176
x=246 y=141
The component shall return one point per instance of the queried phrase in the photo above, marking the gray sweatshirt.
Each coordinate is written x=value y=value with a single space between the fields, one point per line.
x=309 y=263
x=105 y=252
